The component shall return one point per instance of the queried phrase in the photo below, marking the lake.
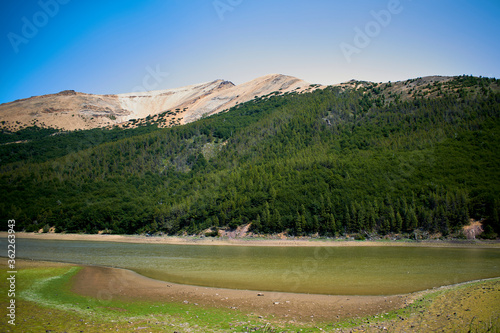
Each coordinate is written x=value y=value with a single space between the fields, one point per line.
x=319 y=270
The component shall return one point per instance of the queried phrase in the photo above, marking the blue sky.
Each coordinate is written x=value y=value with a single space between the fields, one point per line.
x=107 y=47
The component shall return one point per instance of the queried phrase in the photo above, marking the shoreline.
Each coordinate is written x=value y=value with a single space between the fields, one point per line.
x=108 y=283
x=120 y=284
x=126 y=285
x=289 y=242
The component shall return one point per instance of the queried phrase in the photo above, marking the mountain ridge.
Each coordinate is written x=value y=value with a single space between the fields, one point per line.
x=70 y=110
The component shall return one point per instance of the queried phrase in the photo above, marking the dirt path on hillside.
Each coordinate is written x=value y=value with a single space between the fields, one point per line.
x=112 y=283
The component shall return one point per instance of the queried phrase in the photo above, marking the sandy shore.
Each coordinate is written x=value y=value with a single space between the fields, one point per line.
x=111 y=283
x=248 y=241
x=105 y=283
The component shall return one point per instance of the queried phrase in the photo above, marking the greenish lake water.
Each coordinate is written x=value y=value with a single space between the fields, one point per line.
x=319 y=270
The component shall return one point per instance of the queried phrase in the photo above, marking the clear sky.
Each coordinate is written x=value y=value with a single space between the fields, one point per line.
x=107 y=47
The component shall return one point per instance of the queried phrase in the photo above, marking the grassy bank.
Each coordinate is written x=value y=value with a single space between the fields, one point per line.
x=45 y=303
x=467 y=307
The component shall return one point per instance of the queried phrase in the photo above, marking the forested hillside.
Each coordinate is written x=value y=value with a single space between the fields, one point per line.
x=374 y=158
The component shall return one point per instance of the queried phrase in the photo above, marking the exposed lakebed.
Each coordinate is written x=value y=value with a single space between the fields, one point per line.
x=319 y=270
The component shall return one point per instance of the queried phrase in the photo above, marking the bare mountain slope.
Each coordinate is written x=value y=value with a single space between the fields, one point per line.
x=228 y=98
x=70 y=110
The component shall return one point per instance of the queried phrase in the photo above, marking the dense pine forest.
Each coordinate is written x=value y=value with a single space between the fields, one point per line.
x=364 y=159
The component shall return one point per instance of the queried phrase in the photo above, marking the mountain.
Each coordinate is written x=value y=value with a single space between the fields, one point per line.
x=413 y=158
x=70 y=110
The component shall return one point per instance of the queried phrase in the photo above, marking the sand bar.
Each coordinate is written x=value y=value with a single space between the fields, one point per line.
x=106 y=283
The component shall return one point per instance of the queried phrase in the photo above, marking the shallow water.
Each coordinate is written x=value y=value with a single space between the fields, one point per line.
x=319 y=270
